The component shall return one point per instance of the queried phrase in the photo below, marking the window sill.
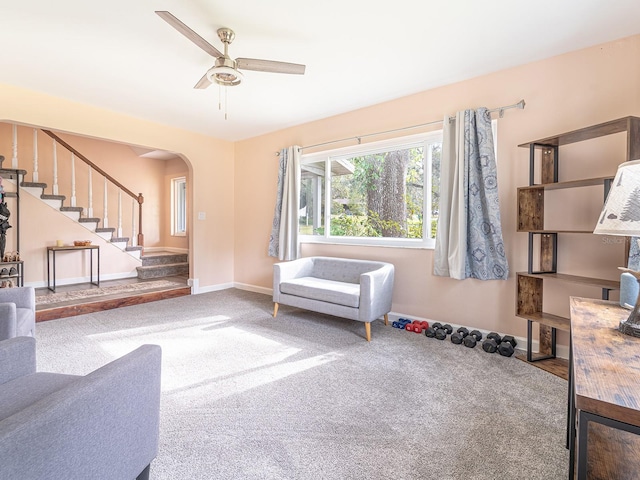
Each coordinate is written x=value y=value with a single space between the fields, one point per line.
x=356 y=242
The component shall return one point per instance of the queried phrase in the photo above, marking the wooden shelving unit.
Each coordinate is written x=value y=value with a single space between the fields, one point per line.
x=543 y=243
x=15 y=175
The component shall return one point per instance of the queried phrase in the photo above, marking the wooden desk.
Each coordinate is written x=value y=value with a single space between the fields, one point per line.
x=51 y=252
x=604 y=393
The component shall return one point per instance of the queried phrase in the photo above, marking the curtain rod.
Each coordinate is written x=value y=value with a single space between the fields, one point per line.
x=520 y=105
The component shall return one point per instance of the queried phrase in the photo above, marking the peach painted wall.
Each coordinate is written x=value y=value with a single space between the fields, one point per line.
x=211 y=243
x=562 y=93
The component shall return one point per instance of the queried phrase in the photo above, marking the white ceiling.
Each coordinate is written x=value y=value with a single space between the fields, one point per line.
x=120 y=55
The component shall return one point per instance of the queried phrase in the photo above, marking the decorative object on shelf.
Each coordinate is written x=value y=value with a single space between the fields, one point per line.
x=629 y=289
x=81 y=243
x=621 y=216
x=59 y=243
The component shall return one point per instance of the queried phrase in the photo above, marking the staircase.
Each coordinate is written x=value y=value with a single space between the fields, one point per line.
x=163 y=264
x=75 y=213
x=154 y=264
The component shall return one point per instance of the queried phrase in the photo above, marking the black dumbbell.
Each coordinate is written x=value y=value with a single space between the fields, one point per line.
x=490 y=345
x=473 y=338
x=430 y=332
x=459 y=336
x=436 y=325
x=447 y=328
x=441 y=334
x=507 y=346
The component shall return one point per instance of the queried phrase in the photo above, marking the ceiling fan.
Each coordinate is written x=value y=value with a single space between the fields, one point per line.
x=225 y=71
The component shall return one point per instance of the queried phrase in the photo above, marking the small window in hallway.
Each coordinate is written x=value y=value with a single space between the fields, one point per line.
x=179 y=206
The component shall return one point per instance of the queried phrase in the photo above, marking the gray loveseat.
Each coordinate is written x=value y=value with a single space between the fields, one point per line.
x=104 y=425
x=355 y=289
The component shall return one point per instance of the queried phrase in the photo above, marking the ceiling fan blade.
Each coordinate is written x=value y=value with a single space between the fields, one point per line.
x=190 y=34
x=203 y=82
x=270 y=66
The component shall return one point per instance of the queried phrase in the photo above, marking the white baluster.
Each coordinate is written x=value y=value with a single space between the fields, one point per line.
x=73 y=180
x=55 y=168
x=14 y=147
x=35 y=155
x=134 y=237
x=90 y=208
x=105 y=220
x=120 y=213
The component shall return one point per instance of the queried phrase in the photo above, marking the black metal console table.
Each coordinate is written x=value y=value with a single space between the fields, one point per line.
x=51 y=261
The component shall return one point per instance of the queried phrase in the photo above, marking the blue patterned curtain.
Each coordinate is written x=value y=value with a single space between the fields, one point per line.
x=283 y=242
x=469 y=240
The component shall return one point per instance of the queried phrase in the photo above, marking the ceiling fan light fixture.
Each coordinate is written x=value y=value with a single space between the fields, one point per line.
x=225 y=76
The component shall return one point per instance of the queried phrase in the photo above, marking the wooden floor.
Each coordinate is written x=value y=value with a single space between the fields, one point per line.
x=70 y=308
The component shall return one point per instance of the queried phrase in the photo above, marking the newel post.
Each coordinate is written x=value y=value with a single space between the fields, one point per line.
x=140 y=234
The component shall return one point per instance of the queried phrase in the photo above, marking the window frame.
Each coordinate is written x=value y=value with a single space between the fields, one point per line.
x=409 y=141
x=178 y=206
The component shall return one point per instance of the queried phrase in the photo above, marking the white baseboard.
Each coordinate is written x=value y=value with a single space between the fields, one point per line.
x=196 y=290
x=253 y=288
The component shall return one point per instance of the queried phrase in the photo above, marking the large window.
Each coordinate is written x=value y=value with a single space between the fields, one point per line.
x=179 y=206
x=383 y=193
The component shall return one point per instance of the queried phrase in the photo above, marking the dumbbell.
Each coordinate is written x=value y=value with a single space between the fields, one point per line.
x=459 y=336
x=418 y=325
x=473 y=338
x=430 y=332
x=490 y=345
x=400 y=323
x=507 y=346
x=441 y=334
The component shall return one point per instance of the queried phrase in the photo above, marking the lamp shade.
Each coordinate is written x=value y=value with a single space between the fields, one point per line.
x=621 y=212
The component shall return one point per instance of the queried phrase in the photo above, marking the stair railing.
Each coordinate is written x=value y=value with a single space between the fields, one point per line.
x=139 y=199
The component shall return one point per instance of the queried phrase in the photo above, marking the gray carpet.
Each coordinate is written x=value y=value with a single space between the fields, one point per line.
x=304 y=396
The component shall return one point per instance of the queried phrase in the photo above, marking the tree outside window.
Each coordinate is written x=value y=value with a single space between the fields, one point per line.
x=382 y=193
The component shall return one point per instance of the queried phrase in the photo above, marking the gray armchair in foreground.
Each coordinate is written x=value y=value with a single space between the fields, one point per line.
x=17 y=312
x=101 y=426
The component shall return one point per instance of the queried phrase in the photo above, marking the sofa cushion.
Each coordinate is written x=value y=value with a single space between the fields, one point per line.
x=342 y=269
x=21 y=392
x=340 y=293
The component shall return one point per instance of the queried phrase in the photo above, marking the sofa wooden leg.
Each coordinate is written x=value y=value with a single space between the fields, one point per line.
x=275 y=309
x=386 y=319
x=367 y=329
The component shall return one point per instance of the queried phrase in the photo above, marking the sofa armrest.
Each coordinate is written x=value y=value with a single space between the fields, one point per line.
x=23 y=297
x=103 y=426
x=284 y=271
x=8 y=320
x=17 y=358
x=376 y=292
